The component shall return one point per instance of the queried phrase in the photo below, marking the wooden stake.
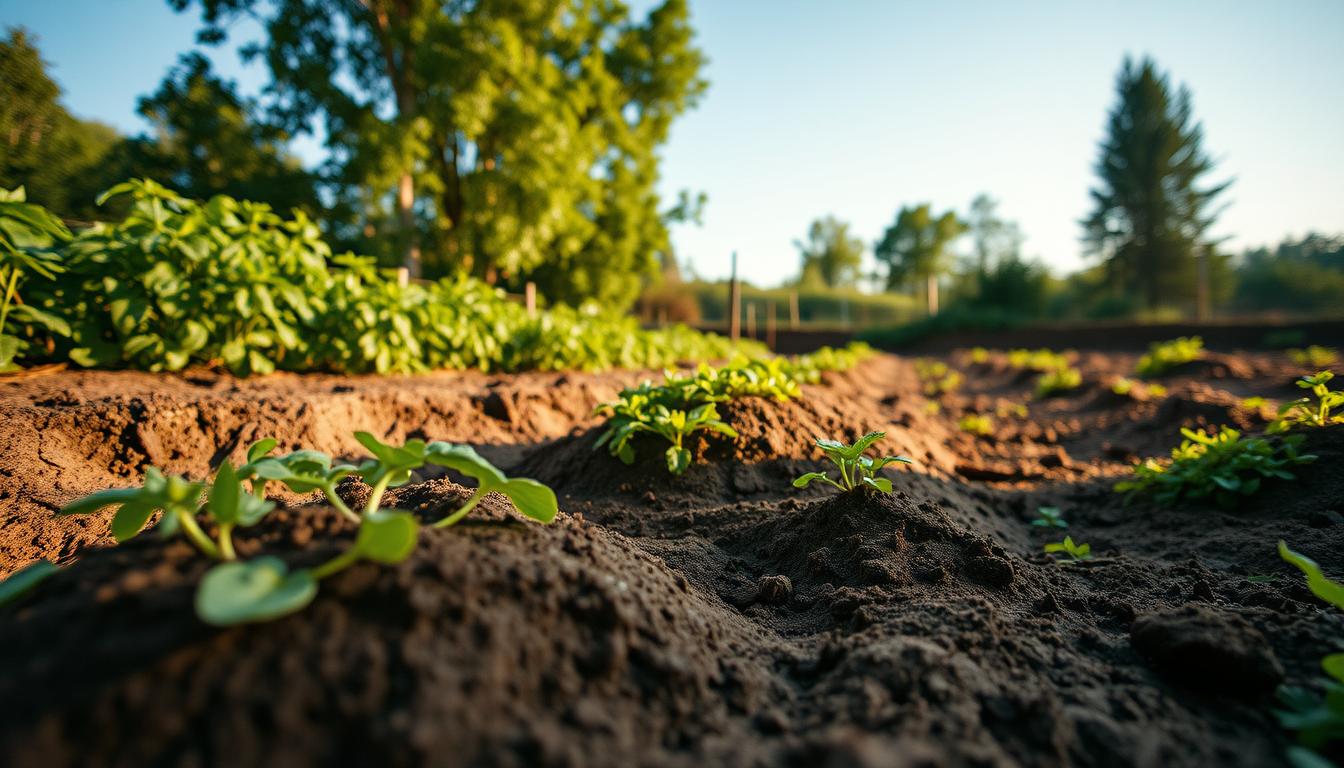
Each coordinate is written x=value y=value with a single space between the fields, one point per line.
x=530 y=298
x=770 y=324
x=793 y=311
x=734 y=303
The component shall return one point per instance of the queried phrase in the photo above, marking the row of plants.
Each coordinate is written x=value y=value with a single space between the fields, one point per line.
x=686 y=403
x=238 y=591
x=230 y=283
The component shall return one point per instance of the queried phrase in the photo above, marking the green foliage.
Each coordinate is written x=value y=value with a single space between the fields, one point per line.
x=976 y=424
x=1309 y=412
x=857 y=470
x=1040 y=360
x=1165 y=355
x=1315 y=356
x=1073 y=553
x=1049 y=517
x=1151 y=213
x=818 y=306
x=917 y=245
x=1222 y=466
x=1317 y=721
x=27 y=234
x=25 y=580
x=1057 y=381
x=937 y=376
x=830 y=255
x=958 y=317
x=264 y=588
x=979 y=355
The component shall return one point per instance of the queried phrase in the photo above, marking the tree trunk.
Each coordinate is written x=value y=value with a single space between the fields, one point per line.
x=410 y=259
x=931 y=294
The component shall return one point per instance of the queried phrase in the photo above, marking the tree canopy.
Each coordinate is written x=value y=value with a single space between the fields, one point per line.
x=916 y=245
x=1151 y=213
x=831 y=256
x=509 y=140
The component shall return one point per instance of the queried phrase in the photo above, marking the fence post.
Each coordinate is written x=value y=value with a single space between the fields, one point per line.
x=751 y=319
x=734 y=303
x=530 y=298
x=403 y=276
x=770 y=324
x=793 y=310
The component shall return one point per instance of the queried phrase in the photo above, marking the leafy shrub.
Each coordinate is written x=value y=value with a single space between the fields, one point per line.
x=1222 y=466
x=1165 y=355
x=231 y=283
x=856 y=469
x=1315 y=357
x=27 y=234
x=240 y=591
x=1057 y=381
x=1305 y=411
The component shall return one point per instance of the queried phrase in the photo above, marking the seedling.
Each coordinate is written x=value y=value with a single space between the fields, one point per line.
x=1166 y=355
x=976 y=424
x=25 y=580
x=1303 y=412
x=1039 y=360
x=1314 y=357
x=1015 y=410
x=979 y=355
x=1057 y=381
x=672 y=425
x=1074 y=553
x=1222 y=466
x=856 y=469
x=932 y=407
x=235 y=591
x=938 y=378
x=1317 y=721
x=1254 y=403
x=1049 y=517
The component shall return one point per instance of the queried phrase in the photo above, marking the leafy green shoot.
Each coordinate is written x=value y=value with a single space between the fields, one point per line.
x=1073 y=553
x=976 y=424
x=979 y=355
x=1057 y=381
x=27 y=233
x=1317 y=721
x=1049 y=517
x=1163 y=356
x=1223 y=466
x=1325 y=409
x=1314 y=357
x=25 y=580
x=1039 y=360
x=1255 y=403
x=857 y=470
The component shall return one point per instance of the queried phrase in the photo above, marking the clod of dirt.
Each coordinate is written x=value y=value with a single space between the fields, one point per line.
x=1208 y=649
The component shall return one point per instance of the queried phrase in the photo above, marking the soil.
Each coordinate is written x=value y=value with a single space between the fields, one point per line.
x=720 y=618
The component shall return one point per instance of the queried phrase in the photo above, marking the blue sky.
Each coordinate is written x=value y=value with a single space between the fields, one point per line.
x=855 y=108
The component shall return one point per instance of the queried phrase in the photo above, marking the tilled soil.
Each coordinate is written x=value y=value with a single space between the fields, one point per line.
x=720 y=618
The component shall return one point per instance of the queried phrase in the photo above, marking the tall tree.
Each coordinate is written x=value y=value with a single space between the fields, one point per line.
x=916 y=249
x=59 y=159
x=1151 y=215
x=993 y=239
x=513 y=139
x=830 y=255
x=206 y=141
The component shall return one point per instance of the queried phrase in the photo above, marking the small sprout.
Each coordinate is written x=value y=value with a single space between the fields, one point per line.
x=1057 y=381
x=1016 y=410
x=1157 y=390
x=979 y=355
x=932 y=407
x=671 y=425
x=1223 y=466
x=1165 y=355
x=25 y=580
x=1049 y=517
x=1075 y=552
x=1317 y=721
x=938 y=378
x=1122 y=386
x=1254 y=403
x=1314 y=357
x=976 y=424
x=1303 y=412
x=856 y=469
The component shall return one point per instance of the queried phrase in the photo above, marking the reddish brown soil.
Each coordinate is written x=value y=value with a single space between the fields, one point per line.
x=721 y=618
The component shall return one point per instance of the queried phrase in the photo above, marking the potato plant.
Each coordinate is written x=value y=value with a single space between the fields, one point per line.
x=1222 y=467
x=856 y=470
x=1166 y=355
x=236 y=591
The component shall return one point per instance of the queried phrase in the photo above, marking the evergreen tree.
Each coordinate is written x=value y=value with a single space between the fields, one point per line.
x=1151 y=215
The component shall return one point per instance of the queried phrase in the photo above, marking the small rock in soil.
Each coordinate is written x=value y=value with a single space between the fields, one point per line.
x=774 y=590
x=1207 y=649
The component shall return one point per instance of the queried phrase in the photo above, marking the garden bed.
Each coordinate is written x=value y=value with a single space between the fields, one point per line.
x=722 y=617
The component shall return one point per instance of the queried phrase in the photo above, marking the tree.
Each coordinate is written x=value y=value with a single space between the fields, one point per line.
x=206 y=141
x=1150 y=214
x=59 y=159
x=508 y=139
x=915 y=249
x=830 y=255
x=993 y=239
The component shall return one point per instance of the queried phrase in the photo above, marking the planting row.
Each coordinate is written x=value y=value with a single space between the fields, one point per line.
x=230 y=283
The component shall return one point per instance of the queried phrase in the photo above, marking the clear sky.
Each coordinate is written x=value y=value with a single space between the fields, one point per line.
x=855 y=108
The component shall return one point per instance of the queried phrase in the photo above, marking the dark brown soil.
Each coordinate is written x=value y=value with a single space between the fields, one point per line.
x=721 y=618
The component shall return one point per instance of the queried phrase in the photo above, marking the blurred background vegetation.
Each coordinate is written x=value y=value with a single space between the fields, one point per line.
x=518 y=143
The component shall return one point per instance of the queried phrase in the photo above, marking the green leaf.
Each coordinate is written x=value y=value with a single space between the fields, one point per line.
x=261 y=448
x=387 y=536
x=224 y=495
x=1330 y=591
x=806 y=480
x=96 y=501
x=880 y=483
x=130 y=519
x=253 y=591
x=532 y=498
x=1334 y=666
x=25 y=580
x=678 y=459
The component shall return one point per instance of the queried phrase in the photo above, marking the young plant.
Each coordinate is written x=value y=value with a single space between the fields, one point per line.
x=1166 y=355
x=1314 y=357
x=938 y=378
x=1303 y=412
x=25 y=580
x=27 y=233
x=671 y=425
x=1049 y=517
x=1057 y=381
x=856 y=469
x=976 y=424
x=979 y=355
x=1222 y=466
x=1318 y=722
x=1074 y=553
